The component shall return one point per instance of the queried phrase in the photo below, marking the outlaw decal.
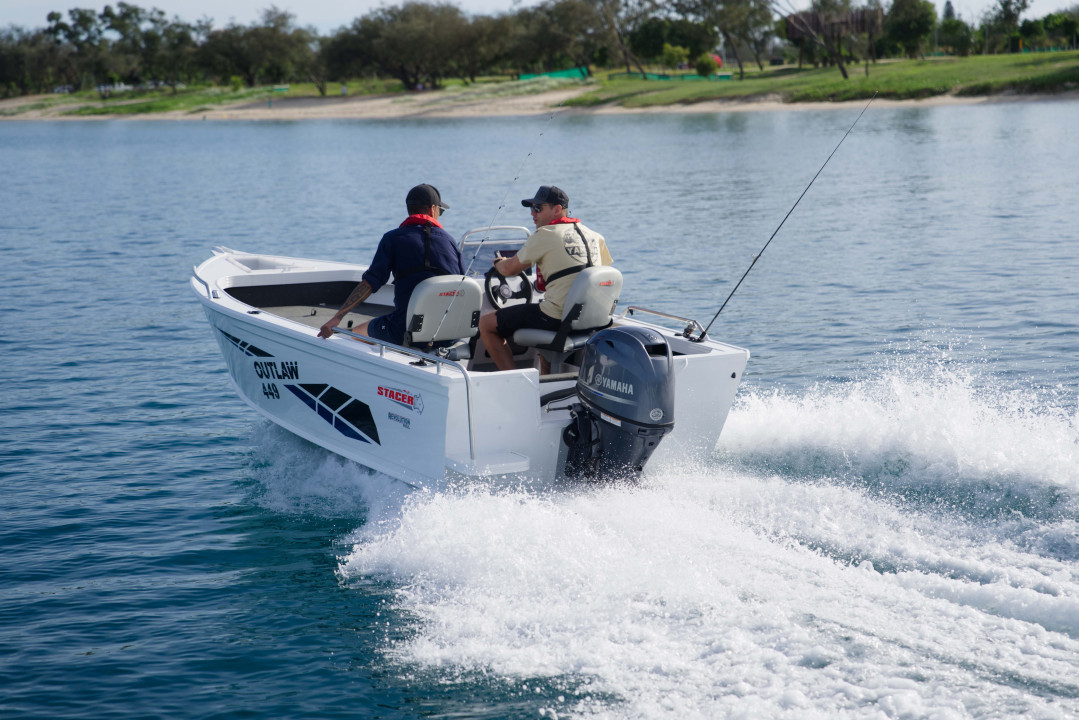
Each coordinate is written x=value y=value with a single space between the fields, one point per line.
x=272 y=370
x=404 y=398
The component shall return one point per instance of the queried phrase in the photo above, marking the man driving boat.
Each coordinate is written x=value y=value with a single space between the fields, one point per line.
x=417 y=250
x=560 y=247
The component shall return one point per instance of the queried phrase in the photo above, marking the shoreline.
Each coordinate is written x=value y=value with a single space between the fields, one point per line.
x=468 y=105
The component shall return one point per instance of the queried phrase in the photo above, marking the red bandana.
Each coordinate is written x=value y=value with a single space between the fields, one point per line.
x=419 y=219
x=562 y=220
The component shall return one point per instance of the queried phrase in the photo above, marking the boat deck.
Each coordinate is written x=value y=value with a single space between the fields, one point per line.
x=316 y=315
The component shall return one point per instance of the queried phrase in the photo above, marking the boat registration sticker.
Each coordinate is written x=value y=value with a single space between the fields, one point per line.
x=612 y=420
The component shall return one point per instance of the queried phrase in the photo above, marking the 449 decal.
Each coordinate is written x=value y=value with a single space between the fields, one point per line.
x=270 y=391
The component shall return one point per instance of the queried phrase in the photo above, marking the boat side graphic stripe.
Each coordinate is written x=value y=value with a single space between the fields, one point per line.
x=245 y=347
x=354 y=420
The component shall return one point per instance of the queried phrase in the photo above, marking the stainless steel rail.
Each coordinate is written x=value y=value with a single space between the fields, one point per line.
x=691 y=322
x=195 y=274
x=439 y=362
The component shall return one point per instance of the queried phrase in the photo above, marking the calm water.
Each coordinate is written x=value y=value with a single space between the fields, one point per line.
x=889 y=526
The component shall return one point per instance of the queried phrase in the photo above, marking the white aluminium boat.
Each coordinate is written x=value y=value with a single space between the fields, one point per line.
x=426 y=415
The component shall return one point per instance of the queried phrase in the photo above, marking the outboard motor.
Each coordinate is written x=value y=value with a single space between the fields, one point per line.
x=626 y=387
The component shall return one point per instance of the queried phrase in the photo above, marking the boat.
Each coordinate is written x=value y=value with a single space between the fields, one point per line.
x=622 y=392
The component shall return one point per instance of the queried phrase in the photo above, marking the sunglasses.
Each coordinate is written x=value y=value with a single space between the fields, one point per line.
x=537 y=208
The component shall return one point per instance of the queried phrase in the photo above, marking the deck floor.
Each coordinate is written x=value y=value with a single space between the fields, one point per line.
x=316 y=316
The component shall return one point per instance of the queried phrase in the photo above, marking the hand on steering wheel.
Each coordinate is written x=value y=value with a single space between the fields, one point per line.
x=500 y=290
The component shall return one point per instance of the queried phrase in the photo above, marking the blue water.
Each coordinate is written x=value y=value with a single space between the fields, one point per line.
x=888 y=527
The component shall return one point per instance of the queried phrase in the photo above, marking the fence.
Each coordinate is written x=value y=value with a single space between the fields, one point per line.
x=663 y=76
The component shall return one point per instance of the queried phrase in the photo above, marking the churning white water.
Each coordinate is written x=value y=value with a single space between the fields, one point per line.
x=904 y=546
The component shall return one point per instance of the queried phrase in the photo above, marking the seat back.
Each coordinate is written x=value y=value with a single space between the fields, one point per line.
x=596 y=289
x=426 y=318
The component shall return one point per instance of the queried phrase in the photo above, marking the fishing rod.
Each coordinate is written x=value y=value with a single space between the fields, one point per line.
x=757 y=257
x=498 y=211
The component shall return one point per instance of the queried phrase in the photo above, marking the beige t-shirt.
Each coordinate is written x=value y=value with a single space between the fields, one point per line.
x=555 y=248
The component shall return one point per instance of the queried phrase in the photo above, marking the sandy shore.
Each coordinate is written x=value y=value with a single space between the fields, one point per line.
x=457 y=104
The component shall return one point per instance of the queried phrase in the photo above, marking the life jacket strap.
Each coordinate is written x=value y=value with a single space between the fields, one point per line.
x=577 y=268
x=427 y=266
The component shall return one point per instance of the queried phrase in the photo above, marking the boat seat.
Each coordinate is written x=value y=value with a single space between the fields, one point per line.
x=444 y=313
x=588 y=307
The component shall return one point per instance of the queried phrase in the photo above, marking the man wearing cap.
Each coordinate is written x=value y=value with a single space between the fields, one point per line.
x=561 y=247
x=417 y=250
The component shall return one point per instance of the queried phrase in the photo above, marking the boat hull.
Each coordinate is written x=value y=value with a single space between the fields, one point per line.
x=423 y=421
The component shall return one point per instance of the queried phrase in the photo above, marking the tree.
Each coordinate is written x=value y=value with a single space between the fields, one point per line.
x=618 y=20
x=272 y=50
x=1008 y=12
x=649 y=37
x=30 y=61
x=674 y=55
x=414 y=42
x=84 y=65
x=559 y=33
x=179 y=50
x=1033 y=33
x=1061 y=27
x=910 y=23
x=756 y=28
x=725 y=15
x=706 y=65
x=349 y=53
x=956 y=36
x=483 y=43
x=825 y=27
x=949 y=11
x=696 y=37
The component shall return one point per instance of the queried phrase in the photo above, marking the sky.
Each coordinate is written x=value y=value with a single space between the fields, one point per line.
x=328 y=15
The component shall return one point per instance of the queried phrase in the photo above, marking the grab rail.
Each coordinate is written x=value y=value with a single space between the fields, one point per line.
x=692 y=323
x=195 y=274
x=439 y=362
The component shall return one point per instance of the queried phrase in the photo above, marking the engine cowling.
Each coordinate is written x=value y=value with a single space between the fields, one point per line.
x=626 y=388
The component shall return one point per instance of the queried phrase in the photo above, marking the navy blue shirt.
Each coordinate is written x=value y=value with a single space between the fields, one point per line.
x=401 y=252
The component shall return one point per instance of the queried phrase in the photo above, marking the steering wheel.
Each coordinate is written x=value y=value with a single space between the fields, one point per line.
x=500 y=289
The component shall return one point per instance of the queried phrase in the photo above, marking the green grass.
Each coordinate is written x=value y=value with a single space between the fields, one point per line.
x=206 y=98
x=900 y=80
x=163 y=101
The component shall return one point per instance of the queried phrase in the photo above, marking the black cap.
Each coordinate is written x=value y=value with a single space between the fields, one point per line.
x=548 y=194
x=425 y=196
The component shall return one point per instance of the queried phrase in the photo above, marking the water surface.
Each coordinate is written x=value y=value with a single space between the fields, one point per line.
x=888 y=526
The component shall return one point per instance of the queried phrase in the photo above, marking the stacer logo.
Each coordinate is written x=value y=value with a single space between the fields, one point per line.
x=410 y=400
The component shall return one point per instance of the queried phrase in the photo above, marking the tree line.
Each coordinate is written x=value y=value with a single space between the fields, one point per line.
x=423 y=43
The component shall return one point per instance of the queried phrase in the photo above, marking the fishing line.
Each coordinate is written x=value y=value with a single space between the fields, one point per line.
x=758 y=255
x=498 y=211
x=517 y=176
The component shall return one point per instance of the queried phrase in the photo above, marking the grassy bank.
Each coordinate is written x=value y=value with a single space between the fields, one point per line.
x=896 y=79
x=1041 y=73
x=197 y=100
x=191 y=100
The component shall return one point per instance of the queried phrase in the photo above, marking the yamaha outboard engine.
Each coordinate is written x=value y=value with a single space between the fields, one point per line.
x=626 y=387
